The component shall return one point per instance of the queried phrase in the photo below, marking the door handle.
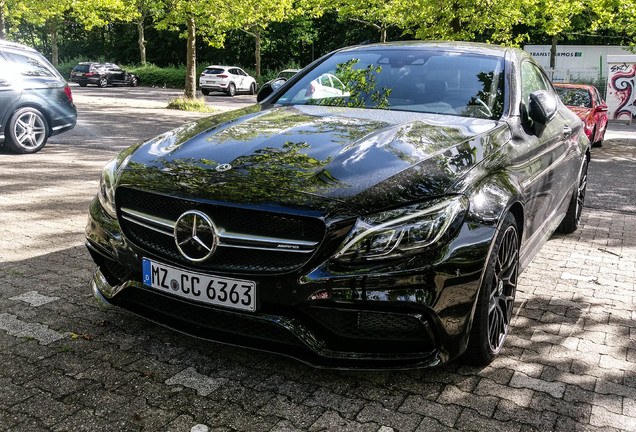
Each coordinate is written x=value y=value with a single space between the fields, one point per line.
x=567 y=131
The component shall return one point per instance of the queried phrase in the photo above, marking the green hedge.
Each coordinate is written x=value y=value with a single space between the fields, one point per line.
x=151 y=75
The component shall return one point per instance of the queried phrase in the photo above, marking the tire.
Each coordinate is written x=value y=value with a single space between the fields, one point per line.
x=205 y=92
x=253 y=89
x=134 y=81
x=27 y=131
x=231 y=90
x=496 y=297
x=599 y=142
x=570 y=222
x=103 y=82
x=83 y=84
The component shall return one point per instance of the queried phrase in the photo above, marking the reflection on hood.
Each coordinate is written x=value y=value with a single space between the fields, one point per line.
x=355 y=156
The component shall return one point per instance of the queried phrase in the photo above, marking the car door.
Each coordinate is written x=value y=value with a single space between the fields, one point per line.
x=117 y=74
x=549 y=163
x=238 y=78
x=9 y=93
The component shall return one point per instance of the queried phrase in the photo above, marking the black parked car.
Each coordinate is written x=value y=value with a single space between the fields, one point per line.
x=380 y=222
x=35 y=101
x=102 y=74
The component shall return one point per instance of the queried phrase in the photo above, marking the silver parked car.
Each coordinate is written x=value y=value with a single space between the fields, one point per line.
x=228 y=79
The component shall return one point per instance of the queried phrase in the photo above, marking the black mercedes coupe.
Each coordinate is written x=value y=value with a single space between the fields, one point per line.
x=373 y=211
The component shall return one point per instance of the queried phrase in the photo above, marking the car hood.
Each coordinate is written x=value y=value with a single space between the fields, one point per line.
x=364 y=159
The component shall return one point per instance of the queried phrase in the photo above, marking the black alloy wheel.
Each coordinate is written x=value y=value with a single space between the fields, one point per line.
x=495 y=304
x=570 y=222
x=253 y=88
x=205 y=92
x=134 y=81
x=103 y=82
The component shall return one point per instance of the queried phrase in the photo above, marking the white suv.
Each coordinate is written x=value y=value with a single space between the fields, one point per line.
x=228 y=79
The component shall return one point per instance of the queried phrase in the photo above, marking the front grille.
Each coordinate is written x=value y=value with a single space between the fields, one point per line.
x=239 y=257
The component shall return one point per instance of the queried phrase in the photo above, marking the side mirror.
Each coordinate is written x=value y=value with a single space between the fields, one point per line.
x=543 y=106
x=269 y=88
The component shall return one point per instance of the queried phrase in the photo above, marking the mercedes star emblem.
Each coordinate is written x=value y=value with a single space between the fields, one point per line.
x=195 y=235
x=223 y=167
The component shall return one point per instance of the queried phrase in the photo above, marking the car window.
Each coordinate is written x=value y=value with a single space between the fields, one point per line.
x=575 y=96
x=29 y=66
x=213 y=71
x=4 y=70
x=531 y=80
x=469 y=85
x=81 y=68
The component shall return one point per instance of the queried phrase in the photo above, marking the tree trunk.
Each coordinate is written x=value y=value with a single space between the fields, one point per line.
x=141 y=40
x=191 y=64
x=383 y=33
x=54 y=55
x=553 y=50
x=3 y=35
x=257 y=51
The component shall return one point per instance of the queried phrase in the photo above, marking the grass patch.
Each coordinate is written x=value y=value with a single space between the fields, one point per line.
x=187 y=104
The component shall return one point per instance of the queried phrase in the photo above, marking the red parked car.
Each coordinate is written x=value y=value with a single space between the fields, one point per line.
x=587 y=103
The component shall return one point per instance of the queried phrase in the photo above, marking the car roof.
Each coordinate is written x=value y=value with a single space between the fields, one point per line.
x=457 y=46
x=577 y=86
x=15 y=45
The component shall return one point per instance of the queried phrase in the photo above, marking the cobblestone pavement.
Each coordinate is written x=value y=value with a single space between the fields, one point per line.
x=68 y=365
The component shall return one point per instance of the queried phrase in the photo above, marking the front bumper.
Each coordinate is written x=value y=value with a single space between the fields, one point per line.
x=407 y=318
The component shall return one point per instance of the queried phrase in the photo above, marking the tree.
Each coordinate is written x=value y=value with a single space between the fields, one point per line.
x=195 y=15
x=380 y=14
x=257 y=15
x=3 y=34
x=487 y=20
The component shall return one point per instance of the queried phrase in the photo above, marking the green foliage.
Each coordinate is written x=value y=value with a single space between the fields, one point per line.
x=151 y=75
x=189 y=104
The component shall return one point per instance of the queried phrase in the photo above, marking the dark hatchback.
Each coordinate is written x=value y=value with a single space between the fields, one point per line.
x=383 y=222
x=102 y=75
x=35 y=101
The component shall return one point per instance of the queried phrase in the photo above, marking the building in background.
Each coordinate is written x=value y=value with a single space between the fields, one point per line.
x=576 y=62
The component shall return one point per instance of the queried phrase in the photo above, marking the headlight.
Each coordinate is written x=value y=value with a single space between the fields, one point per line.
x=401 y=232
x=109 y=178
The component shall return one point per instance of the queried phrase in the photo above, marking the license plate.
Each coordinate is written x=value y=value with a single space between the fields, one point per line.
x=204 y=288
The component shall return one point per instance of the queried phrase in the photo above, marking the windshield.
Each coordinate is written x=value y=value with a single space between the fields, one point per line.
x=575 y=97
x=405 y=80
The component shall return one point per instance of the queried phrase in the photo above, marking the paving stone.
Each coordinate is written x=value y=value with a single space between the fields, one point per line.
x=470 y=420
x=376 y=413
x=520 y=380
x=603 y=418
x=485 y=405
x=445 y=414
x=332 y=421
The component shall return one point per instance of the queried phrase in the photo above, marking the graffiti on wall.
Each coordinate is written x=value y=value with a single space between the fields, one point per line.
x=620 y=91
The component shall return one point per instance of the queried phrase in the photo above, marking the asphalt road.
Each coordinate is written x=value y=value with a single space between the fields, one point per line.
x=66 y=364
